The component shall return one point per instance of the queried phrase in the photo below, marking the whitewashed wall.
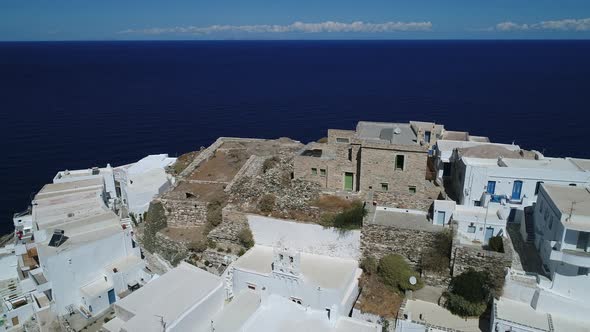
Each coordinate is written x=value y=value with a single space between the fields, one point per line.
x=310 y=238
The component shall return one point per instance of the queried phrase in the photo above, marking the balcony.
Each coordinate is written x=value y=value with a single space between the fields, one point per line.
x=573 y=257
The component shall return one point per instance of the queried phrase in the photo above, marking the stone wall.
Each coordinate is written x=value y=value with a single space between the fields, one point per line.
x=422 y=200
x=466 y=257
x=203 y=156
x=185 y=213
x=335 y=161
x=171 y=250
x=251 y=167
x=378 y=166
x=226 y=233
x=378 y=241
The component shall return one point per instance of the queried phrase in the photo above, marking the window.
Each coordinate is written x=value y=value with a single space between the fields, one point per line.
x=412 y=189
x=281 y=257
x=296 y=300
x=538 y=186
x=572 y=185
x=427 y=136
x=328 y=311
x=551 y=222
x=582 y=271
x=342 y=140
x=322 y=172
x=350 y=154
x=491 y=187
x=471 y=228
x=447 y=169
x=251 y=286
x=291 y=259
x=385 y=186
x=314 y=171
x=399 y=162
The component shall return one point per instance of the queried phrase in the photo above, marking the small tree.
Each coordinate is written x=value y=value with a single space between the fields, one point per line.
x=351 y=218
x=197 y=246
x=246 y=238
x=396 y=273
x=437 y=258
x=267 y=203
x=369 y=265
x=496 y=243
x=214 y=213
x=469 y=293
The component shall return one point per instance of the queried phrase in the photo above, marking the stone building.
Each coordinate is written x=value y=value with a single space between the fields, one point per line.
x=389 y=158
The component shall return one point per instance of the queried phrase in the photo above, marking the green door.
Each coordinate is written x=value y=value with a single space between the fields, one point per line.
x=348 y=181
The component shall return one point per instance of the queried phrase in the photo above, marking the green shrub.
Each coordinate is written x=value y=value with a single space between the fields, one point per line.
x=496 y=243
x=197 y=246
x=395 y=272
x=241 y=252
x=458 y=305
x=267 y=203
x=214 y=213
x=469 y=293
x=246 y=238
x=351 y=218
x=369 y=265
x=211 y=244
x=472 y=285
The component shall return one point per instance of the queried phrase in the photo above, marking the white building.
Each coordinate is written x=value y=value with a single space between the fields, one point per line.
x=559 y=302
x=474 y=224
x=422 y=316
x=253 y=311
x=275 y=290
x=315 y=281
x=514 y=181
x=83 y=249
x=445 y=153
x=140 y=182
x=183 y=299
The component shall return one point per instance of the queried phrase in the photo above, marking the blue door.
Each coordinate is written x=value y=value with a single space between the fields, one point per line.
x=112 y=298
x=488 y=235
x=516 y=190
x=440 y=219
x=491 y=187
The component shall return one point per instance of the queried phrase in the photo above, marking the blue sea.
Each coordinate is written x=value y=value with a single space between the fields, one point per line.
x=69 y=105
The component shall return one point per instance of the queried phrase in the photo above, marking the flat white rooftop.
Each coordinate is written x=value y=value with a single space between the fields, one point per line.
x=249 y=313
x=325 y=271
x=429 y=313
x=574 y=200
x=151 y=162
x=169 y=296
x=521 y=313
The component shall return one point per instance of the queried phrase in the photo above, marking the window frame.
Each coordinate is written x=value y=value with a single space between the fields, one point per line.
x=314 y=171
x=396 y=162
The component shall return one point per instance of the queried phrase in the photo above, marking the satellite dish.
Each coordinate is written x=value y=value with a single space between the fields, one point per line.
x=413 y=280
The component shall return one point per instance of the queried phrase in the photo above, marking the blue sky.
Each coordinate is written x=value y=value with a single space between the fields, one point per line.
x=293 y=19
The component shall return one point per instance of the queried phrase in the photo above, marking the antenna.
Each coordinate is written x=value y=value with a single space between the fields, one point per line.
x=571 y=211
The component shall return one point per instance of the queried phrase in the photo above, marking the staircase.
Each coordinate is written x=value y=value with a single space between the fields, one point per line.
x=529 y=225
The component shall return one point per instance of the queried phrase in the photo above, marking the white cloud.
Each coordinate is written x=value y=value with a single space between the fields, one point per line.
x=557 y=25
x=301 y=27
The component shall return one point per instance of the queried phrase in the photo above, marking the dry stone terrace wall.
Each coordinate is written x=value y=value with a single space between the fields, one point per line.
x=470 y=257
x=185 y=213
x=426 y=193
x=233 y=222
x=378 y=241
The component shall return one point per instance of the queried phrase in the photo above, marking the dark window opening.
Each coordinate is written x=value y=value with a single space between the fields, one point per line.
x=399 y=162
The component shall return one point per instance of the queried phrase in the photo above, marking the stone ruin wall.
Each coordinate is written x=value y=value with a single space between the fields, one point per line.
x=378 y=241
x=185 y=213
x=464 y=258
x=226 y=233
